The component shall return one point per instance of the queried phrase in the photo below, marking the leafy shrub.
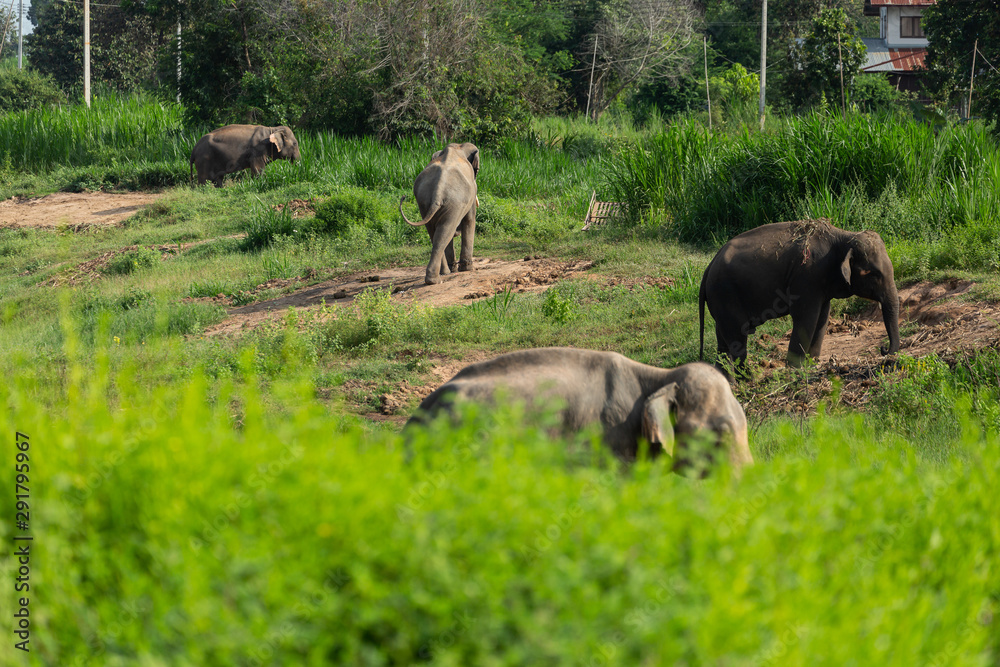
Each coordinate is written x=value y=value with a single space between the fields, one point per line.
x=874 y=93
x=24 y=89
x=557 y=307
x=265 y=224
x=132 y=260
x=355 y=207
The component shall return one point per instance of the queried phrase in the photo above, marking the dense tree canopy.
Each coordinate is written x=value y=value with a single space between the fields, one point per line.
x=476 y=68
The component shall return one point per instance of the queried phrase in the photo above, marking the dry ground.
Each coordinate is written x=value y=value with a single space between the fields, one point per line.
x=935 y=318
x=73 y=210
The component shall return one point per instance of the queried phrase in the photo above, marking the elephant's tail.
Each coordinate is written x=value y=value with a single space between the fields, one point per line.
x=701 y=318
x=191 y=169
x=427 y=218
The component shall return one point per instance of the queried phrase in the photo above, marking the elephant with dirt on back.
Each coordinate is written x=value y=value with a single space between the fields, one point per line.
x=668 y=408
x=794 y=268
x=446 y=195
x=237 y=147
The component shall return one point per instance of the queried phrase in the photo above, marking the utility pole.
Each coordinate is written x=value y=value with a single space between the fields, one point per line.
x=590 y=89
x=708 y=92
x=840 y=65
x=972 y=76
x=20 y=32
x=86 y=51
x=763 y=59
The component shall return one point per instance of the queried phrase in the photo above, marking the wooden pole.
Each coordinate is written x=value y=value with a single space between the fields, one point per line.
x=763 y=59
x=590 y=90
x=840 y=64
x=20 y=33
x=708 y=92
x=972 y=77
x=86 y=51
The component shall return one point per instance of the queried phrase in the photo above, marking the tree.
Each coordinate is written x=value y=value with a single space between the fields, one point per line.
x=952 y=28
x=634 y=42
x=122 y=46
x=828 y=50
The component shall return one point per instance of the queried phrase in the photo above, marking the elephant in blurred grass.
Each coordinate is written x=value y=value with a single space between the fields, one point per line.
x=446 y=195
x=794 y=268
x=237 y=147
x=674 y=410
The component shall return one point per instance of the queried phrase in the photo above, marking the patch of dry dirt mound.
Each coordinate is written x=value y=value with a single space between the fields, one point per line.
x=75 y=211
x=299 y=208
x=92 y=270
x=488 y=278
x=934 y=319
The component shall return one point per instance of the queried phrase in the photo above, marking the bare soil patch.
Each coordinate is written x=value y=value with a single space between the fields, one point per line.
x=93 y=269
x=935 y=319
x=488 y=278
x=73 y=210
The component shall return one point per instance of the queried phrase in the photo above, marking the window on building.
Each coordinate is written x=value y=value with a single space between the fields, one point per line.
x=910 y=27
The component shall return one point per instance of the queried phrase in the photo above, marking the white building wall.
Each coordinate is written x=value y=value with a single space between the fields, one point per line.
x=892 y=26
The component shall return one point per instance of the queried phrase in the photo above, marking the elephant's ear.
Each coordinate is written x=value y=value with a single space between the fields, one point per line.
x=276 y=139
x=845 y=266
x=474 y=160
x=657 y=417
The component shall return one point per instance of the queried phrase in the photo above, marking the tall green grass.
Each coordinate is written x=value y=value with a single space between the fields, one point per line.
x=200 y=525
x=114 y=131
x=138 y=141
x=712 y=185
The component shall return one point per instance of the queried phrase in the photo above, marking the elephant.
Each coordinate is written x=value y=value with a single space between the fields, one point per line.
x=629 y=400
x=446 y=195
x=794 y=268
x=237 y=147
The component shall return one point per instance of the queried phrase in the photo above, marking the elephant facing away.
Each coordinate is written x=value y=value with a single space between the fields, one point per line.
x=794 y=268
x=237 y=147
x=629 y=400
x=446 y=195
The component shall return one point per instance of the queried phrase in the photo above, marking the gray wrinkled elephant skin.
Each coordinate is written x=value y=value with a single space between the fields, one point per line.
x=794 y=268
x=627 y=399
x=446 y=195
x=234 y=148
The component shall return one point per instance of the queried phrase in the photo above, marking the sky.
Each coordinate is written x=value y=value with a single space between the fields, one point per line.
x=27 y=24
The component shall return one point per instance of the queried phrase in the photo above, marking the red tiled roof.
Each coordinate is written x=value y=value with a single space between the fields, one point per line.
x=900 y=3
x=901 y=60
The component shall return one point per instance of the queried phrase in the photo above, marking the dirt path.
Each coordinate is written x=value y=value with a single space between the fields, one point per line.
x=74 y=210
x=488 y=277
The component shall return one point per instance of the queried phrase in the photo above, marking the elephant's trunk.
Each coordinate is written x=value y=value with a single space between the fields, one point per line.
x=890 y=315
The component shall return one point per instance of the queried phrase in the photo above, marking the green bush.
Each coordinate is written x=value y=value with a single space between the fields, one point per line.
x=874 y=93
x=265 y=224
x=209 y=527
x=355 y=207
x=25 y=89
x=129 y=261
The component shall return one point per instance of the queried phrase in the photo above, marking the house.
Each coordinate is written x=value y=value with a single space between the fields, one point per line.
x=901 y=48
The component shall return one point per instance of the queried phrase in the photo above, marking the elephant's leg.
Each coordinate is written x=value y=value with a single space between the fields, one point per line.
x=731 y=341
x=441 y=240
x=448 y=264
x=816 y=346
x=804 y=320
x=468 y=238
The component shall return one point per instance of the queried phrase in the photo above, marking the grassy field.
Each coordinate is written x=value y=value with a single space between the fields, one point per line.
x=208 y=500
